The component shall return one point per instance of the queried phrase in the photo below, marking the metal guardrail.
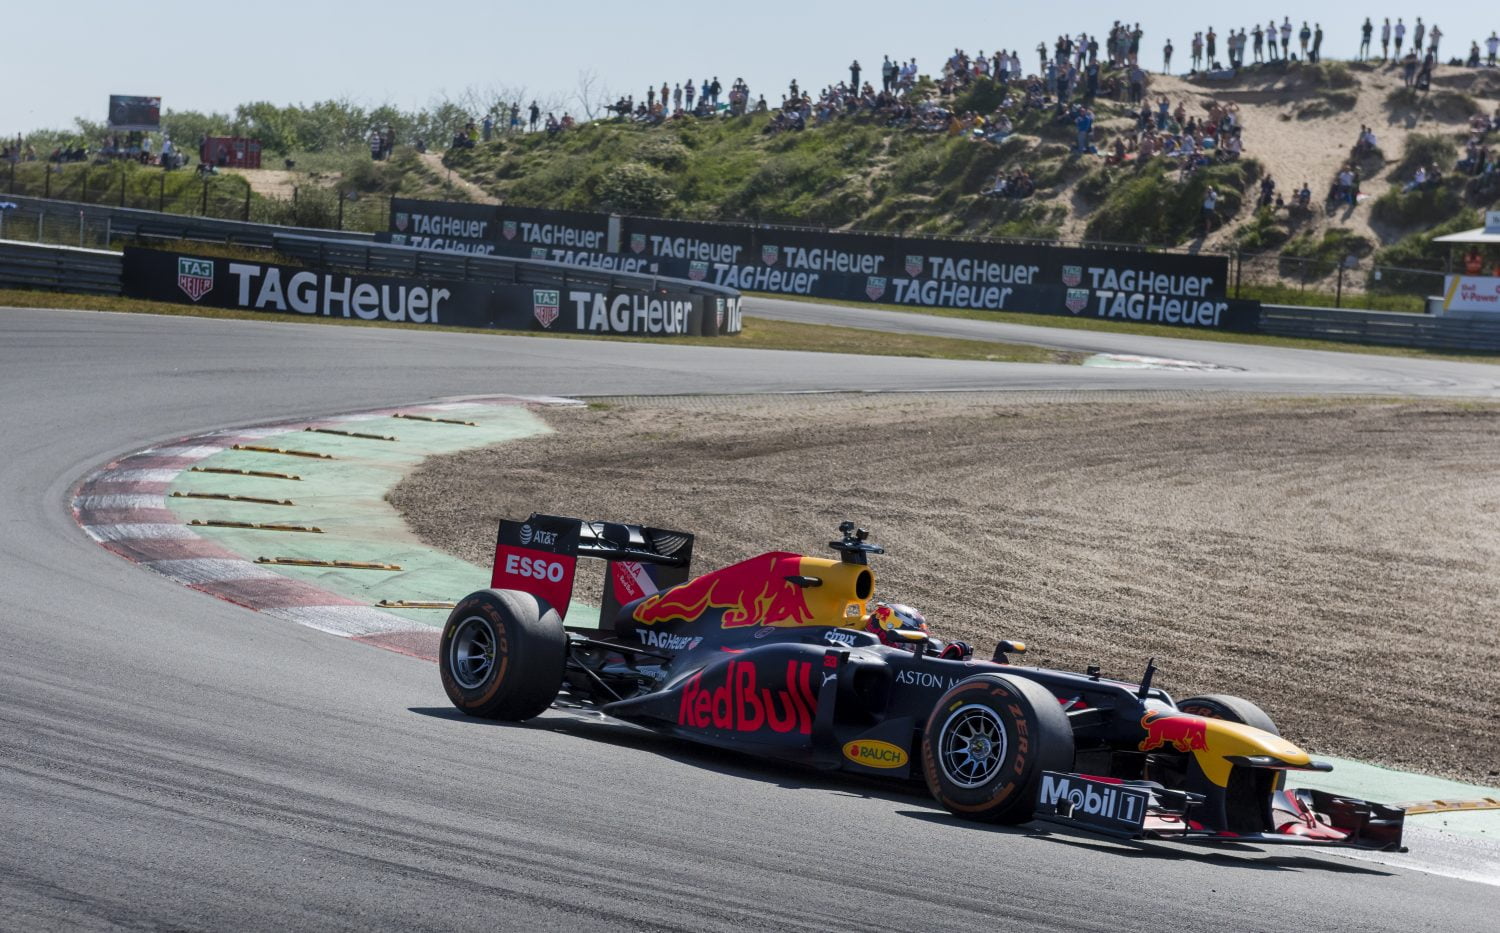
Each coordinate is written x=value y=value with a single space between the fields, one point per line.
x=1382 y=328
x=133 y=223
x=62 y=268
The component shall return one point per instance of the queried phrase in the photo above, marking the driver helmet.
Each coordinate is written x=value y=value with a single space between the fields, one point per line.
x=889 y=619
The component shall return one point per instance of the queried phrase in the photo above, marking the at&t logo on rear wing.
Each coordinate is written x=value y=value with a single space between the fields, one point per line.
x=538 y=556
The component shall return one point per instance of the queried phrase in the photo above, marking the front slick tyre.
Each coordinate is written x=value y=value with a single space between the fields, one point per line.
x=987 y=742
x=502 y=655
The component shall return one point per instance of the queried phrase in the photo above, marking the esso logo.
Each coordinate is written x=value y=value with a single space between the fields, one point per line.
x=536 y=568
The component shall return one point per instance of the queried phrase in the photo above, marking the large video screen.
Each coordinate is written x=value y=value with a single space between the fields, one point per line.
x=134 y=113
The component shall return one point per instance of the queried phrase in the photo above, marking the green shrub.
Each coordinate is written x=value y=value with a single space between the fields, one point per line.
x=1426 y=206
x=1317 y=257
x=1424 y=149
x=634 y=188
x=982 y=96
x=1154 y=208
x=1262 y=233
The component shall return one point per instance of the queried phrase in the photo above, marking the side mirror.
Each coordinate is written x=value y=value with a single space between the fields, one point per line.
x=1006 y=648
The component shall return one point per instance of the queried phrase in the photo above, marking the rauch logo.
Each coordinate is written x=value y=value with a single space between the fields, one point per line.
x=195 y=276
x=741 y=705
x=875 y=754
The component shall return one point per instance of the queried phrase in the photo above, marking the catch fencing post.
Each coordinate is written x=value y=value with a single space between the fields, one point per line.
x=205 y=196
x=80 y=229
x=247 y=201
x=161 y=194
x=39 y=215
x=84 y=198
x=47 y=188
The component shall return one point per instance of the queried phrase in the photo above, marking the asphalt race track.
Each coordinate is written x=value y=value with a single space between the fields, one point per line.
x=169 y=760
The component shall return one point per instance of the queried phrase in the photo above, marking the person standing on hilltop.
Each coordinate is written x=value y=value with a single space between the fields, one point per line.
x=887 y=75
x=1271 y=41
x=536 y=116
x=1385 y=40
x=1432 y=37
x=689 y=91
x=1417 y=33
x=1166 y=58
x=1400 y=35
x=1286 y=38
x=1210 y=42
x=1259 y=35
x=1493 y=43
x=1364 y=40
x=854 y=77
x=1303 y=35
x=1317 y=46
x=1197 y=50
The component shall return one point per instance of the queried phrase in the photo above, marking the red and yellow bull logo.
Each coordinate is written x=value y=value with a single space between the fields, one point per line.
x=743 y=705
x=752 y=592
x=1181 y=731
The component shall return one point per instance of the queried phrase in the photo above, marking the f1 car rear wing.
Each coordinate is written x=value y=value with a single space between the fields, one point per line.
x=540 y=556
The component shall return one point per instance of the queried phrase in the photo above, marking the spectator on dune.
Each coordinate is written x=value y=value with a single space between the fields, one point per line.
x=1286 y=38
x=1473 y=61
x=536 y=116
x=1418 y=32
x=1365 y=32
x=1210 y=204
x=1166 y=58
x=1385 y=40
x=1304 y=35
x=1400 y=35
x=1432 y=38
x=1493 y=45
x=1317 y=44
x=1259 y=36
x=1267 y=192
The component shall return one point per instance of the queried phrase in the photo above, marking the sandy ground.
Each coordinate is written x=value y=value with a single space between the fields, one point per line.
x=434 y=162
x=1338 y=563
x=1290 y=129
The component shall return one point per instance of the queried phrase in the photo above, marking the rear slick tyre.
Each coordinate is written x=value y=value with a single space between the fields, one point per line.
x=502 y=655
x=987 y=742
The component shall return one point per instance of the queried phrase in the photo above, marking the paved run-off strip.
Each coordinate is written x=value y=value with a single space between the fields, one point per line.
x=161 y=507
x=145 y=506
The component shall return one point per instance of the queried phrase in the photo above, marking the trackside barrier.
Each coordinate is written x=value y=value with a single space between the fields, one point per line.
x=1382 y=328
x=61 y=268
x=133 y=223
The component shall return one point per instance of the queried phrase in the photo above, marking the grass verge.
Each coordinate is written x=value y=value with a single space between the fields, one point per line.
x=758 y=334
x=1150 y=330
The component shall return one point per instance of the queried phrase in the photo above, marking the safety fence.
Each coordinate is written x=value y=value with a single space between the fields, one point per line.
x=59 y=268
x=1383 y=328
x=1350 y=281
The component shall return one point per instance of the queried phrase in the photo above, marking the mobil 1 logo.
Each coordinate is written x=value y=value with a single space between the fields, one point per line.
x=1098 y=805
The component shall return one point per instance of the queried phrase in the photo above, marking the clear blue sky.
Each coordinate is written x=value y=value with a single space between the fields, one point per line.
x=211 y=54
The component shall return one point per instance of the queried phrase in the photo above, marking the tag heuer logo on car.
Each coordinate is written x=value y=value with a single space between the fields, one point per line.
x=698 y=270
x=638 y=242
x=545 y=304
x=875 y=287
x=509 y=229
x=539 y=252
x=1078 y=299
x=1072 y=275
x=769 y=254
x=195 y=276
x=402 y=220
x=914 y=266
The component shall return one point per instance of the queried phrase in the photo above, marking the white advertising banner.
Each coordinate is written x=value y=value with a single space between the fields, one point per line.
x=1471 y=293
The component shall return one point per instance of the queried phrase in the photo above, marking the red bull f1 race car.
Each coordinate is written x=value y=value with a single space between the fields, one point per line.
x=788 y=657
